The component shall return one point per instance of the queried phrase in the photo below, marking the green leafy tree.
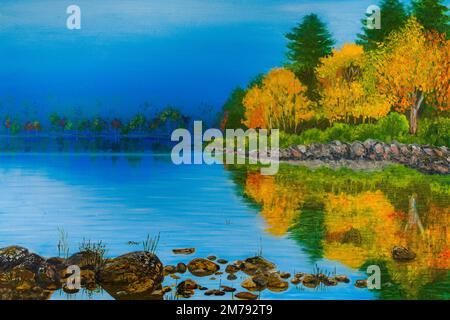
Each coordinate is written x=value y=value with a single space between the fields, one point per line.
x=309 y=41
x=432 y=14
x=54 y=120
x=233 y=110
x=137 y=123
x=168 y=119
x=69 y=126
x=83 y=125
x=15 y=127
x=232 y=113
x=98 y=125
x=393 y=17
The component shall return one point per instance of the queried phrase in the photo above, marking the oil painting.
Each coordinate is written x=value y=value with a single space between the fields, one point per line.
x=224 y=150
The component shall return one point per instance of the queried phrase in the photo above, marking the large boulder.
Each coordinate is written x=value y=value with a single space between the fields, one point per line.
x=394 y=150
x=12 y=256
x=339 y=150
x=22 y=271
x=357 y=150
x=134 y=275
x=85 y=260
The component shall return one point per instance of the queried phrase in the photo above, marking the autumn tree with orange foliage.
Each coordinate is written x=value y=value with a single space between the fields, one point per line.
x=348 y=91
x=413 y=66
x=280 y=102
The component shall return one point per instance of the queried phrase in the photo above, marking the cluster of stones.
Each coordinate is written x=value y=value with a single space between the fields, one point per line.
x=425 y=158
x=25 y=275
x=260 y=274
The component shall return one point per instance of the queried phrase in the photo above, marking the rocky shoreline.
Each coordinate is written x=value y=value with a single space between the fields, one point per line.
x=426 y=159
x=140 y=275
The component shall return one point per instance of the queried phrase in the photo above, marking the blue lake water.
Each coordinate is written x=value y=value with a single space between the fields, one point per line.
x=118 y=198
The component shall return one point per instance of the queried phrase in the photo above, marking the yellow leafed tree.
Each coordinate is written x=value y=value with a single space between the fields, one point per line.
x=348 y=92
x=280 y=102
x=414 y=67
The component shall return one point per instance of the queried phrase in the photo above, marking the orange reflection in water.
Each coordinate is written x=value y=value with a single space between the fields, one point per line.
x=362 y=226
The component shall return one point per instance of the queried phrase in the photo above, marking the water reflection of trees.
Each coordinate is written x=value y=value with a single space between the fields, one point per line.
x=357 y=218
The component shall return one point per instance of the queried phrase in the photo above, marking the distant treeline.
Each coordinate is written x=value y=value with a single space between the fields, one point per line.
x=140 y=123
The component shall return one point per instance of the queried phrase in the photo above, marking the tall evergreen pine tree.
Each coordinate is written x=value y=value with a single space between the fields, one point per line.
x=393 y=16
x=432 y=14
x=309 y=41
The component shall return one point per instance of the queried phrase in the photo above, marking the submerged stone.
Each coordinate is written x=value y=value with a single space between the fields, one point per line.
x=231 y=277
x=231 y=268
x=181 y=267
x=256 y=264
x=169 y=270
x=361 y=283
x=329 y=281
x=276 y=284
x=186 y=289
x=249 y=285
x=214 y=292
x=184 y=251
x=201 y=267
x=342 y=278
x=310 y=280
x=227 y=288
x=246 y=296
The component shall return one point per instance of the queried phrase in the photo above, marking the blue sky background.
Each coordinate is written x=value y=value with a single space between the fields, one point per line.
x=187 y=53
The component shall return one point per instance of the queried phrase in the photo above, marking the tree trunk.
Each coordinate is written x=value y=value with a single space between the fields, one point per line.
x=413 y=121
x=414 y=114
